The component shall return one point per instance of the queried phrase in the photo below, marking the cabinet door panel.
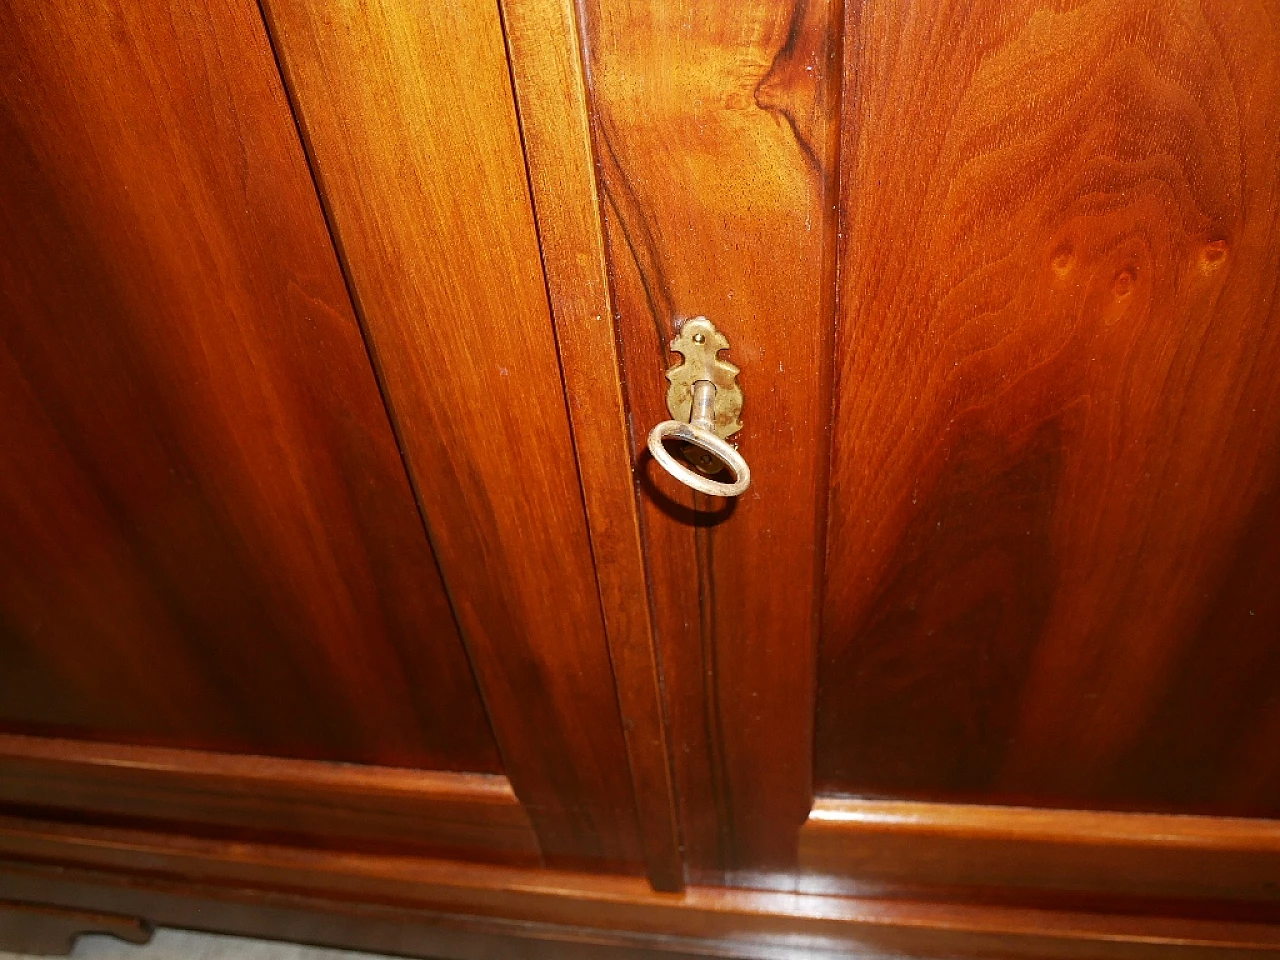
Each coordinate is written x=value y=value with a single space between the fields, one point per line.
x=1053 y=570
x=207 y=538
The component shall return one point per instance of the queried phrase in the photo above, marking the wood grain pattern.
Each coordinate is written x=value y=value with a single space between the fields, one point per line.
x=411 y=125
x=543 y=40
x=206 y=535
x=715 y=137
x=52 y=932
x=876 y=845
x=436 y=904
x=1053 y=571
x=342 y=806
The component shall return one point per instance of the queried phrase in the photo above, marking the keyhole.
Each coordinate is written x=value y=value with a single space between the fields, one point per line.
x=703 y=462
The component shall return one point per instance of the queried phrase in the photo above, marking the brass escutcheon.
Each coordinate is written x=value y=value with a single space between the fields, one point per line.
x=699 y=342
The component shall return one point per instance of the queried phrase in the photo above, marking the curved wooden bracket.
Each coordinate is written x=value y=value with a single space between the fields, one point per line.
x=46 y=931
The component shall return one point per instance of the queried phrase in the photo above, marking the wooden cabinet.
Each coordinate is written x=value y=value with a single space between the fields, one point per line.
x=340 y=599
x=1006 y=323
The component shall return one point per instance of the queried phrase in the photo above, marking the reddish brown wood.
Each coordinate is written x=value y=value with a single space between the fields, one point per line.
x=299 y=801
x=1053 y=570
x=448 y=909
x=869 y=844
x=714 y=135
x=542 y=37
x=206 y=535
x=409 y=115
x=52 y=932
x=1053 y=501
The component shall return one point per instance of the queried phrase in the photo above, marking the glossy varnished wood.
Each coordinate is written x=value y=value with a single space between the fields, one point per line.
x=343 y=806
x=1053 y=503
x=546 y=65
x=444 y=908
x=206 y=534
x=878 y=845
x=1053 y=571
x=714 y=137
x=409 y=116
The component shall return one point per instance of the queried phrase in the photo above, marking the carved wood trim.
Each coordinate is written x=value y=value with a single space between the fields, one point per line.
x=439 y=908
x=47 y=931
x=338 y=805
x=866 y=845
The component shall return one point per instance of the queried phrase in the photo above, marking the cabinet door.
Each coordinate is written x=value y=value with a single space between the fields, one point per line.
x=220 y=607
x=1000 y=606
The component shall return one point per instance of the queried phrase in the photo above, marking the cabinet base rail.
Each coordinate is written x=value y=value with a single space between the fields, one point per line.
x=466 y=911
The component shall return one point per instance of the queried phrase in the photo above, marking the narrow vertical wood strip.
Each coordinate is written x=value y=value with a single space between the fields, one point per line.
x=547 y=69
x=714 y=129
x=410 y=119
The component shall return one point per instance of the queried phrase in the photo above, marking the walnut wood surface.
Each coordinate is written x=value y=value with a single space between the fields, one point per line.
x=877 y=845
x=206 y=534
x=409 y=116
x=714 y=137
x=306 y=802
x=547 y=69
x=1053 y=569
x=447 y=909
x=1054 y=499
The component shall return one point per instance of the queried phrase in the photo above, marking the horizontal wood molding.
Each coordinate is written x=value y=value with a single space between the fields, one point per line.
x=328 y=804
x=851 y=844
x=452 y=909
